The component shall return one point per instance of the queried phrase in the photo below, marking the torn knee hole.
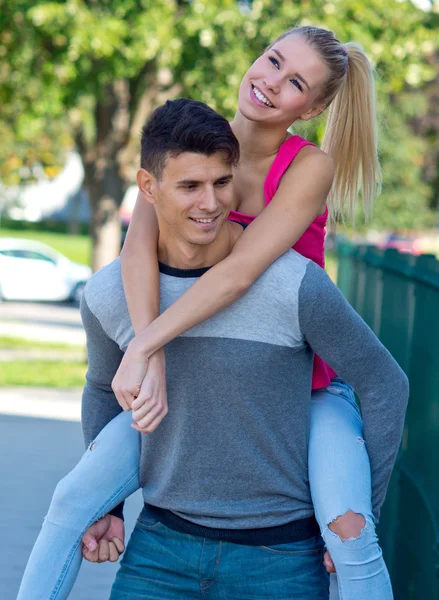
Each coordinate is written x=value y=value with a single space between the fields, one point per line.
x=348 y=526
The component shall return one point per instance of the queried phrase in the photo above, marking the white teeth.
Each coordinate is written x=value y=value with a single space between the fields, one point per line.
x=260 y=96
x=204 y=220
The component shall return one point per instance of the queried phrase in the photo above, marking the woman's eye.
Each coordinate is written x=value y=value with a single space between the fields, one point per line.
x=274 y=61
x=297 y=84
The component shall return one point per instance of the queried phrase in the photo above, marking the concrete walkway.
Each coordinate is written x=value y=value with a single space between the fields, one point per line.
x=40 y=441
x=50 y=322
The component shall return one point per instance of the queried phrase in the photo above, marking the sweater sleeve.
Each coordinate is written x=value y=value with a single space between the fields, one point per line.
x=99 y=404
x=337 y=333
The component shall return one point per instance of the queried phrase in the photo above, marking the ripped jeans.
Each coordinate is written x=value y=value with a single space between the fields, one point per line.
x=339 y=475
x=108 y=472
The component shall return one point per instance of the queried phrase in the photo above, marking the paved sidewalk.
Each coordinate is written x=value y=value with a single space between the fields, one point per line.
x=35 y=453
x=50 y=322
x=48 y=403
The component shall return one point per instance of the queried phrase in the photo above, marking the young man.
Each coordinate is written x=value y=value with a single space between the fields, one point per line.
x=228 y=509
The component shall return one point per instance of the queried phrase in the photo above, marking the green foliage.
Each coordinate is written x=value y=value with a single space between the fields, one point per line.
x=63 y=65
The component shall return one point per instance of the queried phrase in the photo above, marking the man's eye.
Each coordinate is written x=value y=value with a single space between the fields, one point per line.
x=190 y=187
x=223 y=183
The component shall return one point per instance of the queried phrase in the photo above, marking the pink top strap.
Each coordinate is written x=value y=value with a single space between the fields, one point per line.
x=311 y=244
x=286 y=153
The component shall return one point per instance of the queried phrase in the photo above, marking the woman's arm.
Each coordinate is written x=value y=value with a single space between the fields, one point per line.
x=300 y=198
x=140 y=272
x=141 y=281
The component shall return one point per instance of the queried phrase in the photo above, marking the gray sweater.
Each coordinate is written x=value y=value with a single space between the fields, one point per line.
x=232 y=452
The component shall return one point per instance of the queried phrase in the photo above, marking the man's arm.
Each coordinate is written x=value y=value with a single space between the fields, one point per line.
x=338 y=335
x=99 y=404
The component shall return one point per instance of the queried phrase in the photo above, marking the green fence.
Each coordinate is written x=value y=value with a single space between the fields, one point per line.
x=398 y=296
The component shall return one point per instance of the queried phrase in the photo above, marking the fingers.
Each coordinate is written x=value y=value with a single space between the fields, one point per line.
x=137 y=428
x=327 y=561
x=124 y=396
x=150 y=407
x=152 y=420
x=106 y=551
x=95 y=532
x=91 y=556
x=116 y=549
x=119 y=544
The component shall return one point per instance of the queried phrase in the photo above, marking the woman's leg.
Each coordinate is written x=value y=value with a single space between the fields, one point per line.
x=106 y=475
x=340 y=481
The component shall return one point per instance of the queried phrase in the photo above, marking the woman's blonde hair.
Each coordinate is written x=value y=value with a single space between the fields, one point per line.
x=351 y=131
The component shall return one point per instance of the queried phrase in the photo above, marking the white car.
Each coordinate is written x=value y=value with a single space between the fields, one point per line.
x=33 y=271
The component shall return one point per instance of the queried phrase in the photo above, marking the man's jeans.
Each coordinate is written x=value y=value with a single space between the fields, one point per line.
x=160 y=564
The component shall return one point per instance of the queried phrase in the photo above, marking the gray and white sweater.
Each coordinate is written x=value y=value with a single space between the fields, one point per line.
x=232 y=452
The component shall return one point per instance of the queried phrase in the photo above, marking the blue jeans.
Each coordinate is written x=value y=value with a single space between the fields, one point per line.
x=339 y=474
x=340 y=480
x=163 y=564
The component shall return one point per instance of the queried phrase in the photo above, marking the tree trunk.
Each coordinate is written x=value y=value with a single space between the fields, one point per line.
x=106 y=193
x=103 y=177
x=74 y=216
x=109 y=162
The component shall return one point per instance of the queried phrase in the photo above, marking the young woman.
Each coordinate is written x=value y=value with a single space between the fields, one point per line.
x=285 y=180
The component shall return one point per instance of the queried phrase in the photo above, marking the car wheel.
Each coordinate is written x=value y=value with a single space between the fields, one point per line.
x=77 y=292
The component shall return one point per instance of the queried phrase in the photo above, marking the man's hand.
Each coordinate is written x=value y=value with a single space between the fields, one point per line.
x=104 y=540
x=129 y=377
x=151 y=405
x=327 y=561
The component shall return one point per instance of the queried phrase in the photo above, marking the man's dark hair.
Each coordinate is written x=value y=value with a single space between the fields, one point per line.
x=185 y=126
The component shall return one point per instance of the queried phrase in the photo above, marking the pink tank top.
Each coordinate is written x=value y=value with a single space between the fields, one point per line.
x=311 y=244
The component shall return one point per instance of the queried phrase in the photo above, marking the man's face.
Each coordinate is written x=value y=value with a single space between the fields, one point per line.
x=194 y=197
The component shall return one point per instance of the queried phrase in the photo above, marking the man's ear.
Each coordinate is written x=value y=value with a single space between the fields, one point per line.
x=147 y=184
x=313 y=112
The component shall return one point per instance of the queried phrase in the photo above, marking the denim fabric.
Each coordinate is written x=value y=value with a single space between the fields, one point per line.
x=107 y=473
x=339 y=474
x=163 y=564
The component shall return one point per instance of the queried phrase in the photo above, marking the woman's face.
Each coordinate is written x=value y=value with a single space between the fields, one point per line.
x=283 y=84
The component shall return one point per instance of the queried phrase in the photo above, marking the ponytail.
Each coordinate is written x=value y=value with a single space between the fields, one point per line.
x=351 y=139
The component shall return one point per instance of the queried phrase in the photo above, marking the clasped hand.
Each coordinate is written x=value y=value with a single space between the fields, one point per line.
x=140 y=386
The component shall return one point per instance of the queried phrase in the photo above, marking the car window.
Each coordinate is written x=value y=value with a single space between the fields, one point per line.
x=29 y=254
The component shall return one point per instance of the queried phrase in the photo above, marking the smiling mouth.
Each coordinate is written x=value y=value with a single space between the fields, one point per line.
x=260 y=96
x=204 y=221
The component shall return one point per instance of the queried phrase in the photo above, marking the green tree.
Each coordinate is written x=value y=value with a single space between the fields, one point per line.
x=96 y=69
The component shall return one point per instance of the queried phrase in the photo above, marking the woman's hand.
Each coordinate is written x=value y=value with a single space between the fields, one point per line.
x=151 y=405
x=129 y=377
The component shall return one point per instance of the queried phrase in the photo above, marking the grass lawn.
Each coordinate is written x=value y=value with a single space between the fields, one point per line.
x=18 y=343
x=75 y=247
x=43 y=374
